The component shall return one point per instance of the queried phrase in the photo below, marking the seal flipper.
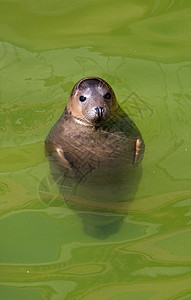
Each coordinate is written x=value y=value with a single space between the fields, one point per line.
x=138 y=151
x=55 y=153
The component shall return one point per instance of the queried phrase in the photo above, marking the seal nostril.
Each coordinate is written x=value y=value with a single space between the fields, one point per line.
x=99 y=111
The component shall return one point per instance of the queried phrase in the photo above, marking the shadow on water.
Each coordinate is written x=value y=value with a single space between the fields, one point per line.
x=101 y=201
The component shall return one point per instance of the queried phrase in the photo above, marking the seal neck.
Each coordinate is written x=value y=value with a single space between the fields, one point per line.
x=82 y=122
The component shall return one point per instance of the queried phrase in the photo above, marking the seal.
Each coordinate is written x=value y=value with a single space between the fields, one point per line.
x=94 y=148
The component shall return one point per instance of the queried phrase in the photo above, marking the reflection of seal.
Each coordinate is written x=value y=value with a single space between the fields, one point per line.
x=96 y=145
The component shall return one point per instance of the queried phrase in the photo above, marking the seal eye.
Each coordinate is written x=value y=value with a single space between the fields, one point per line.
x=107 y=96
x=82 y=98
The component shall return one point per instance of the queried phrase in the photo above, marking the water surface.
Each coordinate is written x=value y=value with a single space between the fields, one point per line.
x=142 y=48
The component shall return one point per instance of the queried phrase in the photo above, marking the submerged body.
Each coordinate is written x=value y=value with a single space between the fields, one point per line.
x=95 y=147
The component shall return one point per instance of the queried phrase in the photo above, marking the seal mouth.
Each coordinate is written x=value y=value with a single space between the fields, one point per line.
x=96 y=116
x=99 y=113
x=91 y=123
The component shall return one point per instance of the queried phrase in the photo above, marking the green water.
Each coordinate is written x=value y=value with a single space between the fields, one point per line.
x=142 y=48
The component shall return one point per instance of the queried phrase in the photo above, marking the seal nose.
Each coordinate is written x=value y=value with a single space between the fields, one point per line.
x=99 y=112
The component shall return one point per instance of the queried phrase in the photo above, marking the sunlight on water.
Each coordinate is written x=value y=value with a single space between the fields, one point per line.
x=142 y=49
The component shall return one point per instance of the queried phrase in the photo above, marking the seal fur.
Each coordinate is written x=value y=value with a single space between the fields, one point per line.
x=95 y=143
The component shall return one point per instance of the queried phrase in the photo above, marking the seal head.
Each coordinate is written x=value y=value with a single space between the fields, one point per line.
x=92 y=101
